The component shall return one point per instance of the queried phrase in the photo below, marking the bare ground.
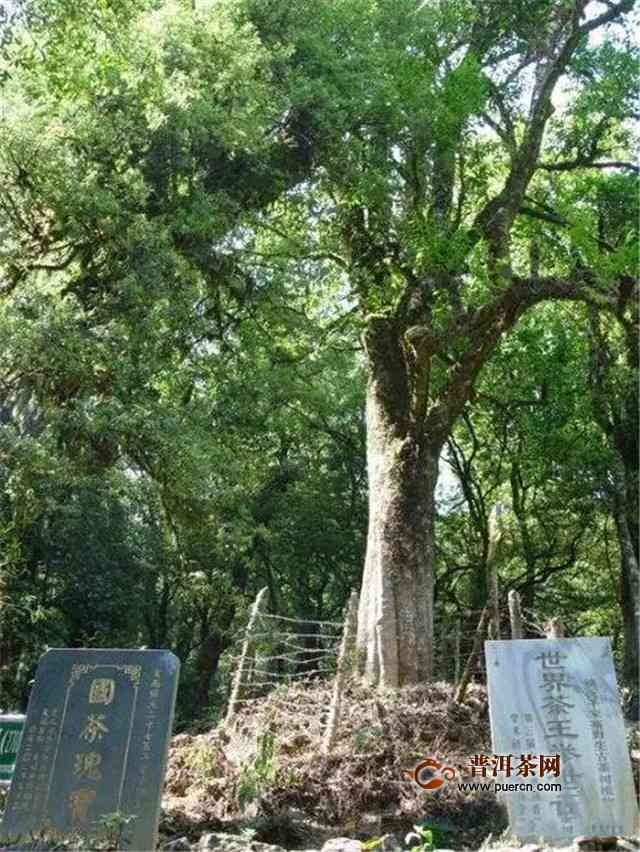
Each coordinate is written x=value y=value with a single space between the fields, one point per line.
x=297 y=797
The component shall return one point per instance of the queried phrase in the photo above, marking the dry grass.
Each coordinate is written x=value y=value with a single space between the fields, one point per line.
x=362 y=784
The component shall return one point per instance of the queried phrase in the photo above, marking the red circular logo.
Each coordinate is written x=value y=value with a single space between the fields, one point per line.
x=448 y=772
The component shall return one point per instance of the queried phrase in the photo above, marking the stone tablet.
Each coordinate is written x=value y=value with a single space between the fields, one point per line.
x=10 y=735
x=559 y=696
x=95 y=744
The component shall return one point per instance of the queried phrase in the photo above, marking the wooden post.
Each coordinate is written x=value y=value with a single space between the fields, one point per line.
x=495 y=536
x=246 y=645
x=345 y=659
x=481 y=630
x=515 y=615
x=554 y=629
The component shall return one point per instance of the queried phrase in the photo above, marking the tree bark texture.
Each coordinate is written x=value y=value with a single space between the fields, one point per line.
x=395 y=616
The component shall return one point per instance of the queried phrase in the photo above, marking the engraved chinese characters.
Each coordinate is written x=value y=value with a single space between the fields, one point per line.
x=95 y=743
x=559 y=696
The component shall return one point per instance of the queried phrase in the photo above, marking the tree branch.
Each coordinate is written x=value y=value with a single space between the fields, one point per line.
x=568 y=165
x=614 y=11
x=484 y=327
x=496 y=217
x=546 y=214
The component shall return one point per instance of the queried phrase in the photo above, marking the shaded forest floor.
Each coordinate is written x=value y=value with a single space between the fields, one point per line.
x=264 y=779
x=266 y=773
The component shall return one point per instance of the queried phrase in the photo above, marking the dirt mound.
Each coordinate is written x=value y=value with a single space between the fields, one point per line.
x=268 y=765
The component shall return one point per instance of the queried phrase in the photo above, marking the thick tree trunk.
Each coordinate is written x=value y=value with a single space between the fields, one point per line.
x=408 y=422
x=395 y=615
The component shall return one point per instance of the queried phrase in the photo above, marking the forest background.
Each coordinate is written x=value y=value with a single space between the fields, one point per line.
x=190 y=202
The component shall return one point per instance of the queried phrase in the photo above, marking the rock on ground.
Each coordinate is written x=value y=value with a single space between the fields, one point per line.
x=221 y=842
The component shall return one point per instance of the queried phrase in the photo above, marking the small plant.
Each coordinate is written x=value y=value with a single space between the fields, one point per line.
x=112 y=828
x=255 y=776
x=373 y=843
x=438 y=831
x=287 y=778
x=424 y=836
x=364 y=738
x=205 y=761
x=263 y=764
x=248 y=834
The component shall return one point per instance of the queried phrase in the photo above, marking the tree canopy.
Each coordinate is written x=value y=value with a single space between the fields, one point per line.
x=223 y=224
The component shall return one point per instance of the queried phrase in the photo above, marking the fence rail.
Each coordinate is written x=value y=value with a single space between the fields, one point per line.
x=277 y=650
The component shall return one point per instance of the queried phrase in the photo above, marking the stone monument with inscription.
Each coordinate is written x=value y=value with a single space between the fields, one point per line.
x=559 y=697
x=95 y=744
